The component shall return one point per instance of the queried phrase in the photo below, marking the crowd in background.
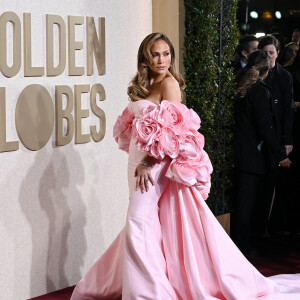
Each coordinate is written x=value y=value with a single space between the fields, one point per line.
x=266 y=139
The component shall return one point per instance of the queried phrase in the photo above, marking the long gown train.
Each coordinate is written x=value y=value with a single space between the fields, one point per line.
x=172 y=246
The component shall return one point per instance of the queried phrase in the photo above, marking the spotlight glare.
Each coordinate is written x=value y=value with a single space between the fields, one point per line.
x=267 y=15
x=259 y=34
x=253 y=14
x=278 y=14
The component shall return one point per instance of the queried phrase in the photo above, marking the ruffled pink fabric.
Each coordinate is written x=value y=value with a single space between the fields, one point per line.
x=170 y=129
x=122 y=129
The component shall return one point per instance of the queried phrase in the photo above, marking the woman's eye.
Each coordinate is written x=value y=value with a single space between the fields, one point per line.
x=166 y=54
x=154 y=54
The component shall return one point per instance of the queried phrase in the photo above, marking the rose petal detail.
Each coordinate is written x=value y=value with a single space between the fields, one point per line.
x=122 y=130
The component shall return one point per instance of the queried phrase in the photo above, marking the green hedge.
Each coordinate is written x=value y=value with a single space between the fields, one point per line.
x=214 y=106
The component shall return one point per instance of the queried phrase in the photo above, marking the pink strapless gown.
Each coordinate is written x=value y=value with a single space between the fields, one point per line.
x=172 y=247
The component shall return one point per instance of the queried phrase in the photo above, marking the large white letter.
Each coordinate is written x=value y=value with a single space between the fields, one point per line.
x=16 y=65
x=95 y=46
x=66 y=114
x=98 y=89
x=4 y=145
x=50 y=21
x=29 y=70
x=80 y=114
x=74 y=45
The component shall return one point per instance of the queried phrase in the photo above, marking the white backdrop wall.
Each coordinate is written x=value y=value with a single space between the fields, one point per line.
x=61 y=207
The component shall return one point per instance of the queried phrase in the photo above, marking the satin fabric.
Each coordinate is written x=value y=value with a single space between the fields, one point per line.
x=173 y=248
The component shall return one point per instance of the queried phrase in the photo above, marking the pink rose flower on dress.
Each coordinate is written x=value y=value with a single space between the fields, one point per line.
x=151 y=111
x=178 y=116
x=203 y=188
x=182 y=172
x=147 y=131
x=123 y=122
x=123 y=128
x=192 y=166
x=204 y=168
x=169 y=142
x=191 y=144
x=156 y=150
x=192 y=120
x=190 y=172
x=172 y=115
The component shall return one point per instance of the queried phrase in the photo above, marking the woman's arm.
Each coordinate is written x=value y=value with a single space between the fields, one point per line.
x=170 y=89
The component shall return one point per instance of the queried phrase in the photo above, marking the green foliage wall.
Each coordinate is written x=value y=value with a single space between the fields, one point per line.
x=208 y=94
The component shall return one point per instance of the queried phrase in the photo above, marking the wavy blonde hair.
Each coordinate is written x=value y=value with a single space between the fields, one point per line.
x=282 y=54
x=258 y=65
x=139 y=85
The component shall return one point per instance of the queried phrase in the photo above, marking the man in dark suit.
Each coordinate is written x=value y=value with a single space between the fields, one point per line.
x=247 y=45
x=280 y=83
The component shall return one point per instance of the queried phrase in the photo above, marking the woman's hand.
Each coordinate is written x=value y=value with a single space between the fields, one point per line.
x=143 y=176
x=286 y=163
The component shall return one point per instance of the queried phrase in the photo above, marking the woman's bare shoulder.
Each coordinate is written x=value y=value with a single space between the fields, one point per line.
x=170 y=81
x=170 y=89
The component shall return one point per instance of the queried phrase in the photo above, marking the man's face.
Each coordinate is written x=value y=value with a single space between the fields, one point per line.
x=296 y=36
x=272 y=53
x=252 y=47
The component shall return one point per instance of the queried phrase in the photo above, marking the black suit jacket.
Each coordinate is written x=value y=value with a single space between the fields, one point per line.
x=295 y=155
x=236 y=67
x=280 y=83
x=294 y=70
x=256 y=146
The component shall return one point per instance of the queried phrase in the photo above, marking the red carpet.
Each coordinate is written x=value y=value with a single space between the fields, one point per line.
x=273 y=265
x=285 y=262
x=64 y=294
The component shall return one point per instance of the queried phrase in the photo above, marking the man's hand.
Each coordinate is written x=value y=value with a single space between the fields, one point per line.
x=286 y=163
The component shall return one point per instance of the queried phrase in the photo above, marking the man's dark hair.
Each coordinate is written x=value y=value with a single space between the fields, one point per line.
x=281 y=39
x=244 y=43
x=296 y=30
x=269 y=40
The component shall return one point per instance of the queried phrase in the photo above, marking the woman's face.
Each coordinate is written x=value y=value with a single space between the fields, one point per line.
x=161 y=58
x=272 y=53
x=291 y=52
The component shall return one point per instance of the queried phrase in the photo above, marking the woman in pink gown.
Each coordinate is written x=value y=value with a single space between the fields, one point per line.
x=172 y=247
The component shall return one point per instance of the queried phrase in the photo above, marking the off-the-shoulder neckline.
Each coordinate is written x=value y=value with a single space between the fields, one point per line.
x=148 y=101
x=154 y=102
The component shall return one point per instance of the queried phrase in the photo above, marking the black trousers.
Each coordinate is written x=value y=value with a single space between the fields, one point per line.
x=264 y=205
x=286 y=208
x=248 y=189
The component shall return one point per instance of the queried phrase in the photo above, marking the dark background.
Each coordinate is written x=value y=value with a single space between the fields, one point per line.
x=290 y=17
